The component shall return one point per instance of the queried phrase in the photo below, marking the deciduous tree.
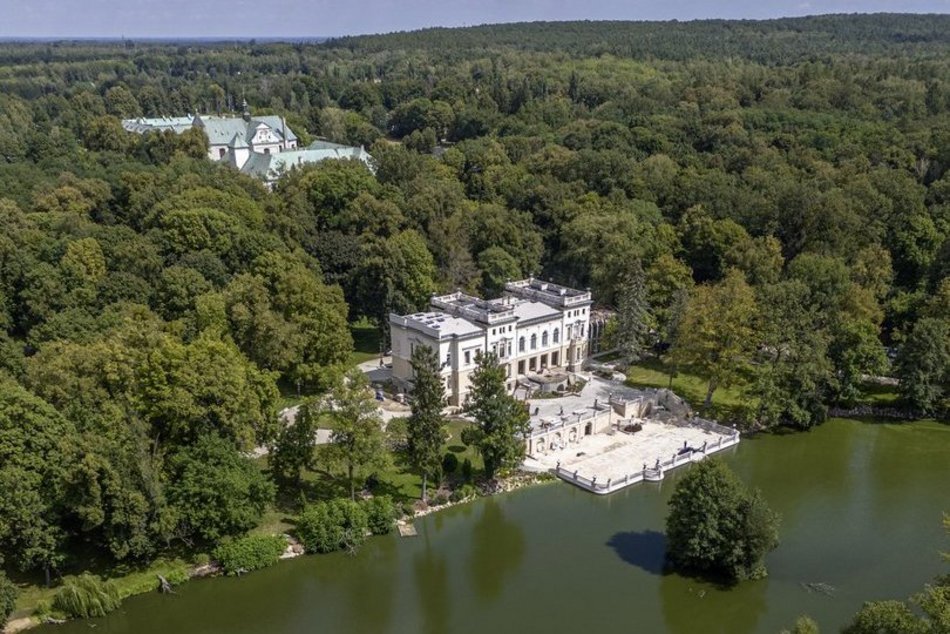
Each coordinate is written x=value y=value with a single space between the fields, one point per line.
x=718 y=526
x=716 y=336
x=357 y=443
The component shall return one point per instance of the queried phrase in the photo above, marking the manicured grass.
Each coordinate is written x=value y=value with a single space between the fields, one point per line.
x=727 y=401
x=366 y=341
x=398 y=480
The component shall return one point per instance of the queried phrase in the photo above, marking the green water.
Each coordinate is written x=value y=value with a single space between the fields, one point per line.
x=861 y=507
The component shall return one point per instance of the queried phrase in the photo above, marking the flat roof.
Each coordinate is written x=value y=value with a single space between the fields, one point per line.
x=549 y=293
x=439 y=324
x=526 y=311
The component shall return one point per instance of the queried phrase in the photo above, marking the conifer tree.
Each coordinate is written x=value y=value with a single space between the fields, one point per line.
x=293 y=450
x=501 y=421
x=632 y=326
x=425 y=433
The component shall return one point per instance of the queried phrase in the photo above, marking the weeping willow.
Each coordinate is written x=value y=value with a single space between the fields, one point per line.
x=87 y=595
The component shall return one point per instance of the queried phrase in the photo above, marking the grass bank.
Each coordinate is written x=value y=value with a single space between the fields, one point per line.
x=732 y=403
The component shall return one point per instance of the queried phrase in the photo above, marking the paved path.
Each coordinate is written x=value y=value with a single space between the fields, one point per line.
x=597 y=390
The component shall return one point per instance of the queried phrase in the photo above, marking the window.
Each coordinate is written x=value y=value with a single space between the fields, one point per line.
x=569 y=328
x=557 y=335
x=221 y=153
x=544 y=338
x=582 y=330
x=468 y=357
x=521 y=344
x=448 y=359
x=534 y=341
x=492 y=331
x=267 y=150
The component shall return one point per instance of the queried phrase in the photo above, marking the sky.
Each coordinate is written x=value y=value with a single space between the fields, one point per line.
x=315 y=18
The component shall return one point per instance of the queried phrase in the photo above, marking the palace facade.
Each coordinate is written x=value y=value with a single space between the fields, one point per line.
x=534 y=327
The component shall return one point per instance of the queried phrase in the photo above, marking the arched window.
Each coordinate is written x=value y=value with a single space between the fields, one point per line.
x=557 y=335
x=521 y=345
x=544 y=338
x=534 y=341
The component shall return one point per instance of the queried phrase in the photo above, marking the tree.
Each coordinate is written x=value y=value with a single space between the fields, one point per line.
x=633 y=322
x=793 y=377
x=803 y=625
x=215 y=491
x=357 y=442
x=37 y=446
x=886 y=617
x=718 y=526
x=497 y=267
x=425 y=433
x=716 y=336
x=501 y=421
x=923 y=366
x=293 y=450
x=338 y=524
x=8 y=595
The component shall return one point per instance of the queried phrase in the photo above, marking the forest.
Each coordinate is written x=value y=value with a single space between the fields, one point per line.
x=765 y=204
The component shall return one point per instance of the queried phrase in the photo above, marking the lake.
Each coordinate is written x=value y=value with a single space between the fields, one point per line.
x=861 y=508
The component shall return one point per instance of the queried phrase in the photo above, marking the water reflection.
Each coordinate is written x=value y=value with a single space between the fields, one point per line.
x=691 y=606
x=644 y=549
x=432 y=587
x=369 y=590
x=497 y=550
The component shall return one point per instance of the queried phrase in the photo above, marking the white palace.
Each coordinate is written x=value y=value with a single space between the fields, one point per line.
x=534 y=326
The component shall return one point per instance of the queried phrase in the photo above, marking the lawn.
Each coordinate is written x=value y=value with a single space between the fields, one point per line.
x=728 y=402
x=366 y=342
x=877 y=395
x=398 y=480
x=129 y=579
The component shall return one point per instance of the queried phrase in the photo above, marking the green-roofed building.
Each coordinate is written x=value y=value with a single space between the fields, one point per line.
x=262 y=146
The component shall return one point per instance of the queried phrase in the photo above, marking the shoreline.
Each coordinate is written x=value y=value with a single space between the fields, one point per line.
x=514 y=482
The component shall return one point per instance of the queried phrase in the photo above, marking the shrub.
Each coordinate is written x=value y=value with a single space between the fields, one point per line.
x=450 y=463
x=440 y=499
x=380 y=514
x=467 y=470
x=327 y=526
x=250 y=552
x=85 y=596
x=408 y=509
x=202 y=559
x=8 y=594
